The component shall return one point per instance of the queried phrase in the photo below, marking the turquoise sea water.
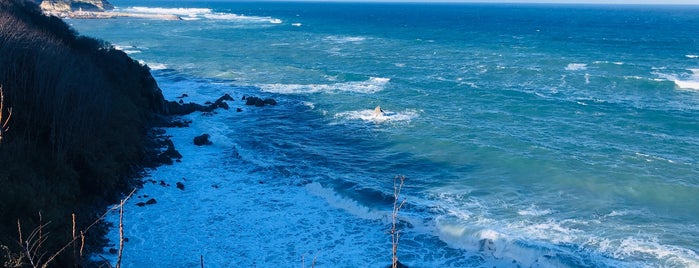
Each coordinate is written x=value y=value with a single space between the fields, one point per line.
x=531 y=135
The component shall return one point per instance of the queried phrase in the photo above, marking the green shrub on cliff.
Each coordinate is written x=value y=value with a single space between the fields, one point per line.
x=80 y=111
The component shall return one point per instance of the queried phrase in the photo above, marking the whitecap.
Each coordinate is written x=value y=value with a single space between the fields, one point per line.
x=275 y=21
x=170 y=11
x=576 y=67
x=691 y=56
x=344 y=39
x=127 y=49
x=373 y=85
x=370 y=116
x=534 y=211
x=154 y=65
x=346 y=204
x=690 y=82
x=296 y=24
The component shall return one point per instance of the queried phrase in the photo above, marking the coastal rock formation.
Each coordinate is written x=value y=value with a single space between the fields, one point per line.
x=177 y=108
x=81 y=111
x=259 y=102
x=63 y=6
x=169 y=153
x=203 y=139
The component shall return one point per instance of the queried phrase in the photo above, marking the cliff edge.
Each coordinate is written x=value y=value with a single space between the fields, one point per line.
x=65 y=6
x=75 y=119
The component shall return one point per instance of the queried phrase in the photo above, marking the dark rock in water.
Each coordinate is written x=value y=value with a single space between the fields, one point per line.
x=270 y=101
x=259 y=102
x=169 y=154
x=225 y=97
x=238 y=110
x=398 y=264
x=184 y=95
x=220 y=102
x=181 y=108
x=180 y=185
x=203 y=139
x=251 y=100
x=149 y=202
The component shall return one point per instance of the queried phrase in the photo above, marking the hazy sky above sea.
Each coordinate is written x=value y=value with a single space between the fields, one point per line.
x=664 y=2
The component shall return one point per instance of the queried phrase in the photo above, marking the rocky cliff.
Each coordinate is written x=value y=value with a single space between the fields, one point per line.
x=64 y=6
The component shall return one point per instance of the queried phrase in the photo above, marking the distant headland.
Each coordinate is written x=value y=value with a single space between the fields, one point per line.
x=92 y=9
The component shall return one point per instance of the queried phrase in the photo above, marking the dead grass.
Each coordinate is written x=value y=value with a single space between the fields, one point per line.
x=32 y=246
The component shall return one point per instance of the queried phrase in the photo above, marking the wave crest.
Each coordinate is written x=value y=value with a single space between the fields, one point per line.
x=373 y=85
x=370 y=116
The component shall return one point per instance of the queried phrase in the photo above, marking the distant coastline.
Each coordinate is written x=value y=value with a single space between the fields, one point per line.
x=93 y=9
x=111 y=15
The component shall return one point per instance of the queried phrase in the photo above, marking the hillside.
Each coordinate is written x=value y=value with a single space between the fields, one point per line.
x=76 y=113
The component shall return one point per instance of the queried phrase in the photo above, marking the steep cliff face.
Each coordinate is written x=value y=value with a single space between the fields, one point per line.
x=76 y=133
x=62 y=6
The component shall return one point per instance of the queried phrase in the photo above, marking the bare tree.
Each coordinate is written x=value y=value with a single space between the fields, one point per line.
x=4 y=120
x=395 y=233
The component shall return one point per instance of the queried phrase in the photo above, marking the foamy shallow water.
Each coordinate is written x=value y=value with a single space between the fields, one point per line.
x=526 y=139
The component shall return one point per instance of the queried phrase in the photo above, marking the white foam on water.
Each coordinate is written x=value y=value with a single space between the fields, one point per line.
x=534 y=211
x=225 y=215
x=630 y=247
x=154 y=65
x=344 y=39
x=241 y=18
x=192 y=12
x=576 y=67
x=370 y=115
x=531 y=240
x=683 y=81
x=373 y=85
x=608 y=62
x=346 y=204
x=296 y=24
x=692 y=56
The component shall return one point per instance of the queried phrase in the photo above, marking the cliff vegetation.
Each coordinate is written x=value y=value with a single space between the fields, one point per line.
x=75 y=115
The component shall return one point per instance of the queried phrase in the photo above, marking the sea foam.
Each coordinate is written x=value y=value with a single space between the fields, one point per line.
x=684 y=81
x=370 y=115
x=576 y=67
x=190 y=14
x=372 y=85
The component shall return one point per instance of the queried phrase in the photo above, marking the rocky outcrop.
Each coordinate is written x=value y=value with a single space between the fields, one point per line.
x=181 y=108
x=64 y=6
x=202 y=140
x=259 y=102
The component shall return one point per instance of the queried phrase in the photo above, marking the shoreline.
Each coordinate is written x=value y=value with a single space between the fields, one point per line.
x=110 y=15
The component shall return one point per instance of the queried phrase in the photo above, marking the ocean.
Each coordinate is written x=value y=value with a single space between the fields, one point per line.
x=530 y=135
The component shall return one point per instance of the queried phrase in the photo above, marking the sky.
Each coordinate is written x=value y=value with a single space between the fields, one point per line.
x=663 y=2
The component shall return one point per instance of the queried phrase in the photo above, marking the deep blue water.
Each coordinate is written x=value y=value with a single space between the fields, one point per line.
x=567 y=135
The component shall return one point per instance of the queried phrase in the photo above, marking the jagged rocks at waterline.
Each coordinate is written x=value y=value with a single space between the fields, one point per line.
x=259 y=102
x=202 y=139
